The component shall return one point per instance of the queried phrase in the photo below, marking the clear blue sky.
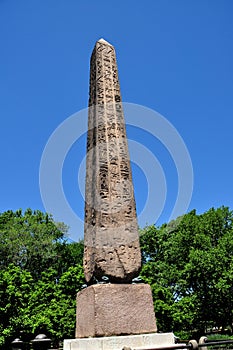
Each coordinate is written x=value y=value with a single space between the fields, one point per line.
x=174 y=56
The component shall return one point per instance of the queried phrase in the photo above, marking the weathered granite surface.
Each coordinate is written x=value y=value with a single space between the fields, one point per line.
x=111 y=231
x=115 y=309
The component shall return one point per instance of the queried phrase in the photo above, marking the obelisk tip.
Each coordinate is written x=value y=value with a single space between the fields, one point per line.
x=102 y=41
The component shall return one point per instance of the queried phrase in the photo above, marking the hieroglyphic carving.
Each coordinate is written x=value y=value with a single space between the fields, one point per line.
x=111 y=231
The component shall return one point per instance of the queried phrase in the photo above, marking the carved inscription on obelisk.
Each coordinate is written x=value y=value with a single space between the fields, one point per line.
x=111 y=231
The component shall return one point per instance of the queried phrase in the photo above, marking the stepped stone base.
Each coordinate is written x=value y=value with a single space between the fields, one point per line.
x=117 y=343
x=115 y=309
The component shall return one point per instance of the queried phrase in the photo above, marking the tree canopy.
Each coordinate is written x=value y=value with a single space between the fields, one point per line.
x=189 y=265
x=40 y=274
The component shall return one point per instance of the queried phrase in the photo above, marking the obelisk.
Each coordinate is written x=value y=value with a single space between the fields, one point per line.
x=111 y=231
x=111 y=305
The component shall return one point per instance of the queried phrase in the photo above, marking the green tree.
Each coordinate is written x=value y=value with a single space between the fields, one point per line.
x=29 y=240
x=52 y=304
x=190 y=261
x=69 y=254
x=15 y=289
x=40 y=273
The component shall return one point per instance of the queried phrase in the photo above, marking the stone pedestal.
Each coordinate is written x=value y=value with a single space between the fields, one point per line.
x=145 y=341
x=115 y=309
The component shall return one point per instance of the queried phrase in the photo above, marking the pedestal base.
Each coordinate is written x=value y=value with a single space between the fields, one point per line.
x=115 y=309
x=117 y=343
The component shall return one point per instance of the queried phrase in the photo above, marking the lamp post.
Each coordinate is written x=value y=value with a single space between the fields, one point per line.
x=41 y=342
x=17 y=344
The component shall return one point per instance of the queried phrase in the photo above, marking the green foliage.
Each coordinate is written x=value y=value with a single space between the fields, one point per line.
x=188 y=263
x=40 y=274
x=28 y=240
x=220 y=337
x=51 y=306
x=15 y=289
